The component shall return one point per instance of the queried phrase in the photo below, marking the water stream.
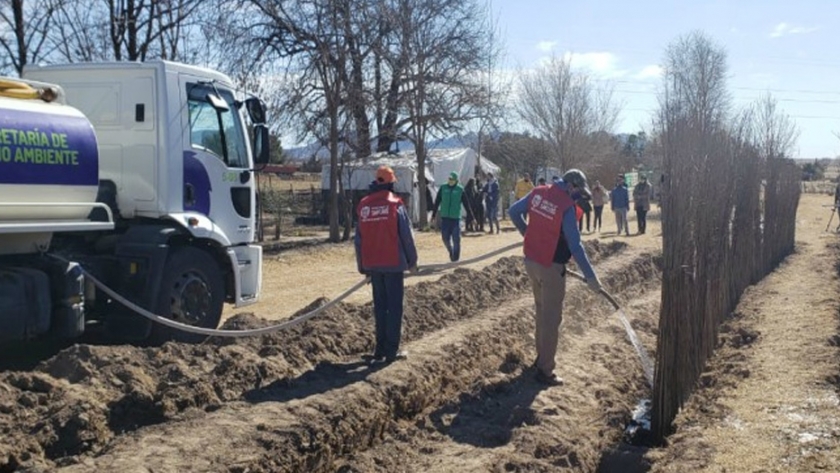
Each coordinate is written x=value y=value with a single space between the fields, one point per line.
x=647 y=363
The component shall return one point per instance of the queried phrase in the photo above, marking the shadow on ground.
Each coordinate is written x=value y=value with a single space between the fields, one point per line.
x=326 y=376
x=487 y=419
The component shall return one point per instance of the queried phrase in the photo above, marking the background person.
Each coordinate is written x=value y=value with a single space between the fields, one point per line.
x=449 y=200
x=551 y=239
x=491 y=201
x=641 y=199
x=600 y=196
x=620 y=202
x=523 y=187
x=586 y=209
x=473 y=196
x=385 y=249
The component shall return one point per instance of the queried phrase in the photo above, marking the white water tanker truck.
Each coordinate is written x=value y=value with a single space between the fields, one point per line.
x=142 y=175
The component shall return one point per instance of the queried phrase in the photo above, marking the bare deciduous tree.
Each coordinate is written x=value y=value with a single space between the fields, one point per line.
x=25 y=27
x=691 y=124
x=695 y=83
x=353 y=72
x=567 y=109
x=129 y=30
x=308 y=36
x=775 y=132
x=717 y=236
x=447 y=48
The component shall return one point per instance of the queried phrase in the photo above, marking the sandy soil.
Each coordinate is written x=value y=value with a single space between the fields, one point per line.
x=769 y=398
x=465 y=399
x=292 y=279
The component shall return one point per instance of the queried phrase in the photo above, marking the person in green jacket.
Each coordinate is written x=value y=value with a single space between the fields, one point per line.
x=449 y=200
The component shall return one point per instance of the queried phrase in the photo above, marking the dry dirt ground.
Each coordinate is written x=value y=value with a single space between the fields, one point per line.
x=464 y=400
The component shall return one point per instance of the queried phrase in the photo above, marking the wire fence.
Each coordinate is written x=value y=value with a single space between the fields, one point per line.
x=283 y=205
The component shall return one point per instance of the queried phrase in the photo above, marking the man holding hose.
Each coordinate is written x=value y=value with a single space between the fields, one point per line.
x=551 y=239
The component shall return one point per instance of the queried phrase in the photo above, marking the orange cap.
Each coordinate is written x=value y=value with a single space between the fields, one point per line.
x=385 y=175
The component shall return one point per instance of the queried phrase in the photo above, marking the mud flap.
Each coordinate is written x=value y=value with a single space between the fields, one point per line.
x=141 y=256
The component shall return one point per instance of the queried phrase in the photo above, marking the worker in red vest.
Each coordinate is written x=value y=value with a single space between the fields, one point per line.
x=384 y=251
x=552 y=237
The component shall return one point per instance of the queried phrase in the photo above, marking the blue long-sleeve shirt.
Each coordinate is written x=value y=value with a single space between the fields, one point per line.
x=408 y=251
x=519 y=210
x=491 y=189
x=620 y=197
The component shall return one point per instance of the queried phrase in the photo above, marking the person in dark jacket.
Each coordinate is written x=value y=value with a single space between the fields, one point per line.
x=586 y=206
x=641 y=198
x=478 y=210
x=552 y=238
x=620 y=203
x=385 y=249
x=449 y=200
x=491 y=201
x=472 y=201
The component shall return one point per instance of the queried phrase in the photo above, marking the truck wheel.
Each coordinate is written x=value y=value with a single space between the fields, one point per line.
x=191 y=292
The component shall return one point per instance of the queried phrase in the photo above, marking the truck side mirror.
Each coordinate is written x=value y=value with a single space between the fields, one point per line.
x=262 y=151
x=256 y=110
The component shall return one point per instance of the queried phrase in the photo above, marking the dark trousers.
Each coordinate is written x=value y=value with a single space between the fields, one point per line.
x=493 y=216
x=388 y=291
x=599 y=210
x=580 y=222
x=641 y=218
x=450 y=231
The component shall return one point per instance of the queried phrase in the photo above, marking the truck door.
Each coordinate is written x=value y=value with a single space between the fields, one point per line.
x=217 y=177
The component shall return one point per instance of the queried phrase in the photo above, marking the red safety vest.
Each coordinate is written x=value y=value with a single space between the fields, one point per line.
x=379 y=229
x=545 y=223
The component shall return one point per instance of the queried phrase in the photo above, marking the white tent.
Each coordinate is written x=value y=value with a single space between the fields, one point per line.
x=358 y=175
x=460 y=160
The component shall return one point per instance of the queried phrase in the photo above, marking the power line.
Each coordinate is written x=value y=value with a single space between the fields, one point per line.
x=807 y=117
x=639 y=82
x=646 y=92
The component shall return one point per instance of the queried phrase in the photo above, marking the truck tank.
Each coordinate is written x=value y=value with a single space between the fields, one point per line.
x=49 y=162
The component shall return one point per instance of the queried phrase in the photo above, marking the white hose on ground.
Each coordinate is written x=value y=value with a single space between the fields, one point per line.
x=218 y=332
x=421 y=271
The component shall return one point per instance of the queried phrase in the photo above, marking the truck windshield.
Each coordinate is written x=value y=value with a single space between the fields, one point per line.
x=217 y=131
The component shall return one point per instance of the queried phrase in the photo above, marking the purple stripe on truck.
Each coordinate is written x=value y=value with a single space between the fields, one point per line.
x=44 y=149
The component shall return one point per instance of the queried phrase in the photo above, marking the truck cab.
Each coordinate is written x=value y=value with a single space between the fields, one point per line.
x=177 y=146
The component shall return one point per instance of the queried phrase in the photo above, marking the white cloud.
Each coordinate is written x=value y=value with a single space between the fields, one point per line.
x=603 y=63
x=652 y=71
x=783 y=29
x=546 y=46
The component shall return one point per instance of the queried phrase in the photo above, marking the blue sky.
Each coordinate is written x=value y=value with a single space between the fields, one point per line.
x=788 y=48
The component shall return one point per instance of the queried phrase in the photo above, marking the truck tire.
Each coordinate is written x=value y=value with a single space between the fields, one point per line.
x=192 y=292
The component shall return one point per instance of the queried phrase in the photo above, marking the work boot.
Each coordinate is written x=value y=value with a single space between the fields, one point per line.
x=376 y=357
x=548 y=379
x=401 y=355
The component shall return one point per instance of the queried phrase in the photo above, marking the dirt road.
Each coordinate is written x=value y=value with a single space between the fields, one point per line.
x=465 y=399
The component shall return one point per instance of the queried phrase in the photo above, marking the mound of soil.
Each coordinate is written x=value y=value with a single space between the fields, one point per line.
x=74 y=403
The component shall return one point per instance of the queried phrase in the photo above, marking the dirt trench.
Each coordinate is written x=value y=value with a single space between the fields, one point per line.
x=75 y=404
